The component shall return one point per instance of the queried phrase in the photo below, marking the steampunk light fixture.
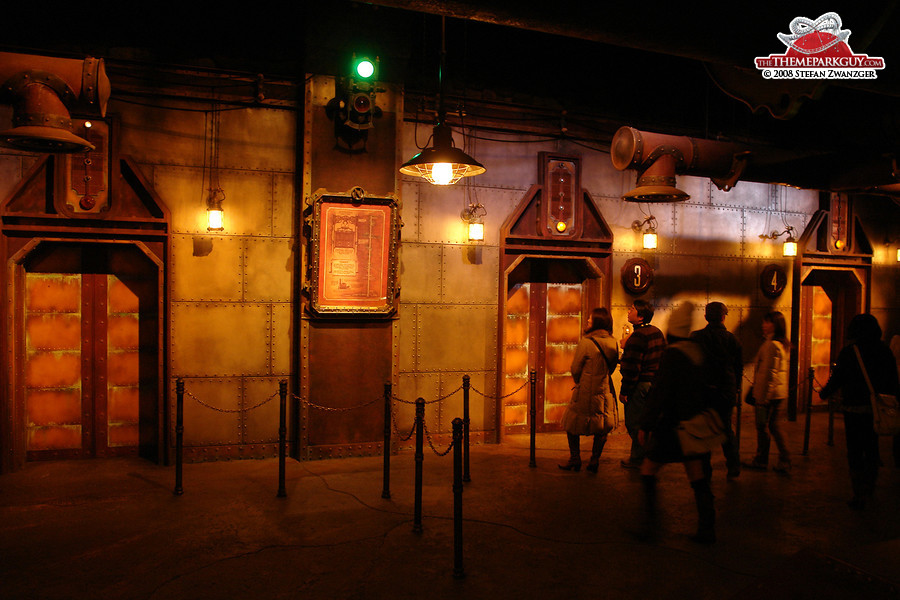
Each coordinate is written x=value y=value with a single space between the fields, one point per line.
x=215 y=215
x=649 y=238
x=473 y=216
x=789 y=247
x=442 y=163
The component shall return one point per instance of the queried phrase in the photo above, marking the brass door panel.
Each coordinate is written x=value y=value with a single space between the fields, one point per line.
x=90 y=329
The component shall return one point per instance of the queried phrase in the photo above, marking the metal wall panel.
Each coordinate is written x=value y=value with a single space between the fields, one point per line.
x=702 y=230
x=154 y=135
x=214 y=275
x=408 y=338
x=285 y=215
x=409 y=211
x=420 y=268
x=257 y=139
x=410 y=387
x=469 y=274
x=457 y=338
x=219 y=340
x=268 y=270
x=260 y=425
x=282 y=334
x=204 y=425
x=10 y=173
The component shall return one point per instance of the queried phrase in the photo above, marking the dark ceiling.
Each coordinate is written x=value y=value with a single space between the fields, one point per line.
x=687 y=71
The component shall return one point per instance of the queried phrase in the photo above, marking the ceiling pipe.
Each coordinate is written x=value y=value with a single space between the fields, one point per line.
x=42 y=91
x=657 y=157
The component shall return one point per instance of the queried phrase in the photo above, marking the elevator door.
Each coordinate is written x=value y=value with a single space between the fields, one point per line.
x=89 y=335
x=543 y=326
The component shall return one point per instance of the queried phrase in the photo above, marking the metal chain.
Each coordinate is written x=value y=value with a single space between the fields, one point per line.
x=226 y=410
x=500 y=397
x=397 y=429
x=334 y=409
x=430 y=443
x=408 y=402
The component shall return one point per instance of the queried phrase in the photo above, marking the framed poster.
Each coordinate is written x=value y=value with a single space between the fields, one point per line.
x=353 y=259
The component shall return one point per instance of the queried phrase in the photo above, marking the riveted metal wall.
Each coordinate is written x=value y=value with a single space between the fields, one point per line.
x=231 y=293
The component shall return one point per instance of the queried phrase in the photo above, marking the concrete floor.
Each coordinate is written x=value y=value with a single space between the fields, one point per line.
x=113 y=529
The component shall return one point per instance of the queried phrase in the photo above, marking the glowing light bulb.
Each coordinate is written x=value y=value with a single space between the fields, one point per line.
x=789 y=248
x=561 y=226
x=650 y=240
x=442 y=173
x=365 y=69
x=476 y=232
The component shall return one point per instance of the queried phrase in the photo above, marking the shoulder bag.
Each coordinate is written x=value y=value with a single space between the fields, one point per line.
x=885 y=408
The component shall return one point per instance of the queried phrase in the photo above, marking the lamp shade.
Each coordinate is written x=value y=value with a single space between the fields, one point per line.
x=442 y=164
x=650 y=240
x=789 y=248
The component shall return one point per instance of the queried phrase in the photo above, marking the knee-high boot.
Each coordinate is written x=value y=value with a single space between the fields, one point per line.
x=574 y=463
x=649 y=530
x=706 y=512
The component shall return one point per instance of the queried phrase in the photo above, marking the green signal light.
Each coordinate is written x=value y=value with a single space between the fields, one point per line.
x=365 y=68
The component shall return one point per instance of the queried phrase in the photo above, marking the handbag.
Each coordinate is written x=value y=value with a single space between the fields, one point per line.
x=885 y=408
x=701 y=433
x=749 y=399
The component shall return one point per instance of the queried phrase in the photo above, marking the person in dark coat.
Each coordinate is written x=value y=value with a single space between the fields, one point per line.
x=677 y=395
x=724 y=371
x=864 y=334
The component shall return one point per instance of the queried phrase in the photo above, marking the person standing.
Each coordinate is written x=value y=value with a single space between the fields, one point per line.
x=640 y=361
x=770 y=390
x=678 y=394
x=592 y=410
x=724 y=369
x=864 y=334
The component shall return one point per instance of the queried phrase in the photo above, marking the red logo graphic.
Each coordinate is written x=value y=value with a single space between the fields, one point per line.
x=818 y=50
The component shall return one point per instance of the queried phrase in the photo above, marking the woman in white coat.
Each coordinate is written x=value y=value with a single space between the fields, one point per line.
x=593 y=409
x=770 y=390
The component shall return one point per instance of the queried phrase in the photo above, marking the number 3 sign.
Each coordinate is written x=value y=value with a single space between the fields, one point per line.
x=637 y=275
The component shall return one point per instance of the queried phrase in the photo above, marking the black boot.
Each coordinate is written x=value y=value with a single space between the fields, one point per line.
x=596 y=451
x=706 y=512
x=649 y=530
x=574 y=463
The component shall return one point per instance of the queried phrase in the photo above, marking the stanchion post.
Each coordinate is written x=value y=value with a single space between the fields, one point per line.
x=831 y=404
x=179 y=434
x=458 y=571
x=809 y=392
x=420 y=458
x=533 y=417
x=386 y=487
x=282 y=435
x=466 y=384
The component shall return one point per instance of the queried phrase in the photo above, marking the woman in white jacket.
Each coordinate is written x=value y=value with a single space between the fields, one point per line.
x=593 y=409
x=770 y=390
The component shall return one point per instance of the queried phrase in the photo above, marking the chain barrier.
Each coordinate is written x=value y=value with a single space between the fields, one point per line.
x=228 y=410
x=438 y=399
x=311 y=404
x=488 y=396
x=397 y=429
x=431 y=443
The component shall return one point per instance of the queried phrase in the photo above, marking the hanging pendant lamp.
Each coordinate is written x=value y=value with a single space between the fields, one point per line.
x=442 y=163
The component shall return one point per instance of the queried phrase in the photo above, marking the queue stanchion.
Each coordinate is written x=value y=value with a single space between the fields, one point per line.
x=466 y=384
x=458 y=571
x=420 y=458
x=282 y=436
x=533 y=417
x=179 y=435
x=809 y=392
x=386 y=487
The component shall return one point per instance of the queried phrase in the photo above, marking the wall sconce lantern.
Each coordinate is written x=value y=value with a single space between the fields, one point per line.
x=474 y=216
x=789 y=248
x=215 y=215
x=442 y=164
x=650 y=239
